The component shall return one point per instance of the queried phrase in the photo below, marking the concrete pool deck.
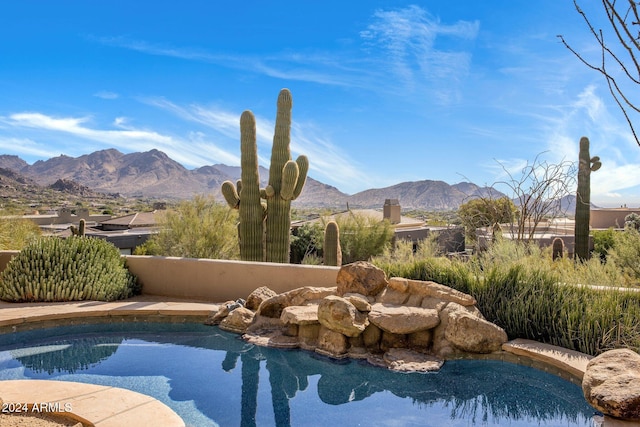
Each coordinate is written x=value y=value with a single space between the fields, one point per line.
x=111 y=406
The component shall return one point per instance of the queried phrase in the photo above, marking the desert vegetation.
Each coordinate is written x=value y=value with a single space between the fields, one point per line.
x=577 y=305
x=74 y=269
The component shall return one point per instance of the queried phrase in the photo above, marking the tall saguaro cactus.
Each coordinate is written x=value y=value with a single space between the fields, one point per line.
x=586 y=165
x=286 y=180
x=264 y=230
x=246 y=196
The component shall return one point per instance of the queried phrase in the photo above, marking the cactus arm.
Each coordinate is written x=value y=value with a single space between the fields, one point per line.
x=230 y=194
x=290 y=175
x=303 y=168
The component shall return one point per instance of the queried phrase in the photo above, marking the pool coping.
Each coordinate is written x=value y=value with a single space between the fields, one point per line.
x=104 y=406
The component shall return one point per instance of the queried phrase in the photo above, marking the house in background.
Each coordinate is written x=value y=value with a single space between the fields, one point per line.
x=125 y=232
x=451 y=239
x=548 y=230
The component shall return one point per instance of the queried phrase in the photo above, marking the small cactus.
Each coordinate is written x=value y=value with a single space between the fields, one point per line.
x=331 y=250
x=80 y=230
x=557 y=248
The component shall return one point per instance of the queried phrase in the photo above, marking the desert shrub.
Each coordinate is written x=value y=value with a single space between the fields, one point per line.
x=17 y=233
x=625 y=255
x=362 y=237
x=518 y=287
x=198 y=228
x=306 y=242
x=603 y=240
x=74 y=269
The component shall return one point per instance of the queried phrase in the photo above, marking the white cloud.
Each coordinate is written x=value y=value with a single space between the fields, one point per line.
x=105 y=94
x=25 y=147
x=190 y=152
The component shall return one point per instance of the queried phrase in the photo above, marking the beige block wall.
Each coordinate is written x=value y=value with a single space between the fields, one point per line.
x=222 y=280
x=216 y=280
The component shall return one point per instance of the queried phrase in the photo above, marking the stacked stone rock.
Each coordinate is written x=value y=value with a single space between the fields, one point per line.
x=398 y=323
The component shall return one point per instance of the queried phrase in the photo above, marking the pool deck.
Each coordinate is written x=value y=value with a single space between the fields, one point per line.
x=103 y=406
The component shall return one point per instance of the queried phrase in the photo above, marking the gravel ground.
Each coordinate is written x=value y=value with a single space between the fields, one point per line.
x=36 y=420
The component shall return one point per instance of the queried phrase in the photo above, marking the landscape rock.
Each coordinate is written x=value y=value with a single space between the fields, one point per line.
x=238 y=320
x=404 y=360
x=300 y=314
x=611 y=384
x=223 y=311
x=272 y=307
x=361 y=277
x=331 y=343
x=359 y=301
x=431 y=289
x=340 y=315
x=474 y=334
x=258 y=296
x=400 y=319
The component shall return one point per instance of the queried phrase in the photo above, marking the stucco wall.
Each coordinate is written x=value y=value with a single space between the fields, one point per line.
x=605 y=218
x=216 y=280
x=222 y=280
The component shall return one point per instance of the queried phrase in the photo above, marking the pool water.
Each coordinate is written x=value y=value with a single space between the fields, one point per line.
x=213 y=378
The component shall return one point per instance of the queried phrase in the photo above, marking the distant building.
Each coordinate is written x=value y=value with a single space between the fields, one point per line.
x=451 y=239
x=125 y=232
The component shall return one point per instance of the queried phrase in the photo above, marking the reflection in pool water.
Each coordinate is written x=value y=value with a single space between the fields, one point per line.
x=210 y=377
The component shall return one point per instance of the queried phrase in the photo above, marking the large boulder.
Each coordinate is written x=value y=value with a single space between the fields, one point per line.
x=611 y=384
x=238 y=320
x=339 y=315
x=272 y=307
x=258 y=296
x=361 y=277
x=431 y=290
x=472 y=333
x=399 y=319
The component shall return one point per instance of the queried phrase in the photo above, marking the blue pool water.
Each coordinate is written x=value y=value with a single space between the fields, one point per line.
x=213 y=378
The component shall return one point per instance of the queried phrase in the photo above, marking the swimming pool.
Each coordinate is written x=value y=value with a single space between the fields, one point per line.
x=210 y=378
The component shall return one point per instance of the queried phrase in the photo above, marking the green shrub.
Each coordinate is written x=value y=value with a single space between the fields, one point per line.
x=198 y=228
x=625 y=255
x=74 y=269
x=521 y=289
x=17 y=233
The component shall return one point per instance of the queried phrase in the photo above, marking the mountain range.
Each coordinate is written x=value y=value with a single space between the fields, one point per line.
x=153 y=174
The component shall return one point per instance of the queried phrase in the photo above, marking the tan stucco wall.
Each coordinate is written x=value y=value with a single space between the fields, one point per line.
x=216 y=280
x=222 y=280
x=606 y=218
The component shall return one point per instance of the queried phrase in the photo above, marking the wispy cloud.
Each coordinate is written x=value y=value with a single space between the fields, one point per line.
x=105 y=94
x=407 y=38
x=327 y=162
x=186 y=151
x=398 y=46
x=25 y=147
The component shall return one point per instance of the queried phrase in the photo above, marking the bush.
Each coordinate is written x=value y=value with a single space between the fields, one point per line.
x=198 y=228
x=74 y=269
x=625 y=255
x=15 y=234
x=362 y=237
x=519 y=288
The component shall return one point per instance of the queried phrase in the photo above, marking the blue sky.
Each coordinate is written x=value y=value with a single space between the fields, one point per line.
x=384 y=91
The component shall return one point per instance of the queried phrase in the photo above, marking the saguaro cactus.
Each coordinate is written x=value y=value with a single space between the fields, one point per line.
x=264 y=230
x=331 y=250
x=246 y=195
x=586 y=165
x=286 y=180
